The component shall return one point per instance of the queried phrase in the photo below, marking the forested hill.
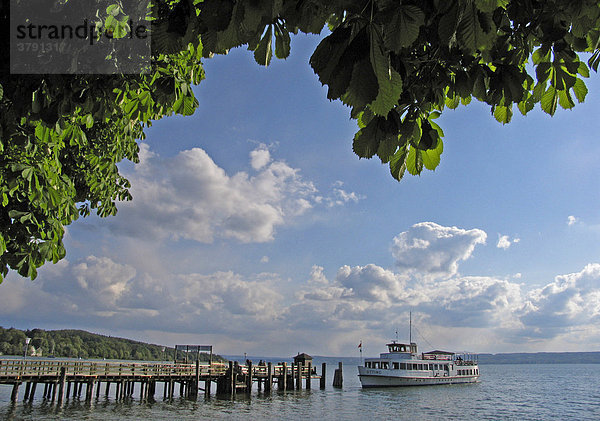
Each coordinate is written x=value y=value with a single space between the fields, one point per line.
x=541 y=358
x=82 y=344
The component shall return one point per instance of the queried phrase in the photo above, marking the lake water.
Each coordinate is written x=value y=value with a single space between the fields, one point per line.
x=507 y=392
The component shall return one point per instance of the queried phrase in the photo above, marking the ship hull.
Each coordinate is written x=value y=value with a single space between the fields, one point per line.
x=369 y=381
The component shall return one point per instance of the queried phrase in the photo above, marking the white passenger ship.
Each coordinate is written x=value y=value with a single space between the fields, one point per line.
x=403 y=366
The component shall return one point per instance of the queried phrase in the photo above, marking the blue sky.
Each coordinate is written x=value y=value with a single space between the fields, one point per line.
x=256 y=229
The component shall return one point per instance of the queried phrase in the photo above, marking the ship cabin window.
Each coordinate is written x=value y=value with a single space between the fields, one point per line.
x=431 y=366
x=397 y=348
x=368 y=364
x=402 y=366
x=384 y=364
x=396 y=366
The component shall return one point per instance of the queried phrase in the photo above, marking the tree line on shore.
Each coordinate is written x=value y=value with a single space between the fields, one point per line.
x=82 y=344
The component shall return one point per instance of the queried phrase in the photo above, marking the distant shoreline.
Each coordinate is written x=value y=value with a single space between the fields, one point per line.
x=541 y=358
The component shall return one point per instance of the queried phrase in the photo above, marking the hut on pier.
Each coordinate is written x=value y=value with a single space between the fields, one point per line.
x=303 y=358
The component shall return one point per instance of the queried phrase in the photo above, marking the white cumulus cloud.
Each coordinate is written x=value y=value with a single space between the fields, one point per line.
x=504 y=241
x=429 y=248
x=189 y=196
x=340 y=196
x=259 y=158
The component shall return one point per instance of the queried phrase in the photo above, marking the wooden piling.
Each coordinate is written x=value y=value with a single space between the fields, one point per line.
x=107 y=390
x=338 y=378
x=309 y=375
x=283 y=384
x=89 y=391
x=299 y=376
x=323 y=375
x=196 y=382
x=61 y=385
x=171 y=387
x=269 y=383
x=53 y=387
x=236 y=369
x=32 y=392
x=249 y=376
x=15 y=392
x=207 y=387
x=152 y=391
x=27 y=389
x=231 y=378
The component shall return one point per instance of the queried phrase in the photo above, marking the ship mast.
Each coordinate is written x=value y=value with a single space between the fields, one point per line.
x=410 y=327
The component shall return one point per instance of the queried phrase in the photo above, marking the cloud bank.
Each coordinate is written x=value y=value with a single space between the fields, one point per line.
x=482 y=312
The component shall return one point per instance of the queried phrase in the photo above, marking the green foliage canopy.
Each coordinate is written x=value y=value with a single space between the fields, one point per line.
x=396 y=63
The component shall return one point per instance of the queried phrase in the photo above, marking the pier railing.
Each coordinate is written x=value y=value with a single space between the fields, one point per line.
x=19 y=368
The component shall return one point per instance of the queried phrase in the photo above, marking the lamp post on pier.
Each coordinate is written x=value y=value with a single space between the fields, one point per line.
x=27 y=340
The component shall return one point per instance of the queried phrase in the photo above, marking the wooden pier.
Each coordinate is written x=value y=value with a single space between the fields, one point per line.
x=62 y=379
